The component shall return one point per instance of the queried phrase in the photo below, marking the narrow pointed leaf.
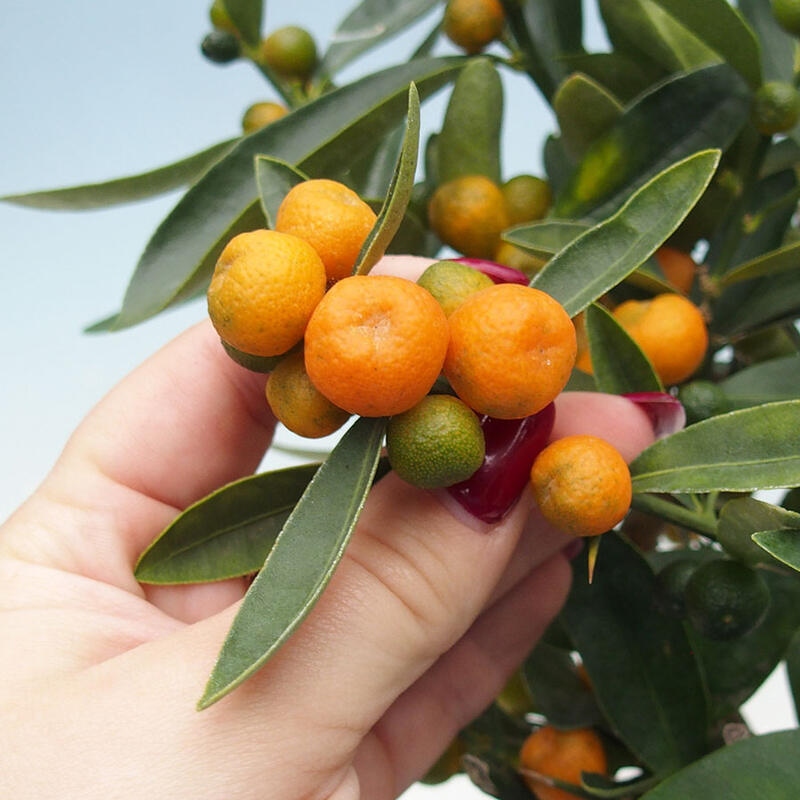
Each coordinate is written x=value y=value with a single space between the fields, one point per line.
x=761 y=766
x=606 y=254
x=302 y=561
x=781 y=260
x=765 y=382
x=369 y=24
x=619 y=365
x=783 y=544
x=755 y=448
x=639 y=661
x=693 y=111
x=399 y=194
x=246 y=16
x=275 y=178
x=546 y=238
x=124 y=190
x=776 y=45
x=469 y=142
x=793 y=670
x=318 y=138
x=227 y=534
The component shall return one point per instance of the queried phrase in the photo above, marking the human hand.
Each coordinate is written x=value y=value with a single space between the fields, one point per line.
x=425 y=618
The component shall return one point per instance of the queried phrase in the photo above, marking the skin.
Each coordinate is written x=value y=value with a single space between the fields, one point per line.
x=428 y=614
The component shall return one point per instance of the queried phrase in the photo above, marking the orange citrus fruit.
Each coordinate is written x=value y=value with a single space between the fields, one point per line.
x=473 y=24
x=511 y=350
x=375 y=345
x=298 y=404
x=678 y=267
x=264 y=287
x=527 y=197
x=469 y=213
x=451 y=282
x=436 y=443
x=515 y=257
x=561 y=754
x=582 y=485
x=670 y=330
x=332 y=218
x=259 y=115
x=291 y=52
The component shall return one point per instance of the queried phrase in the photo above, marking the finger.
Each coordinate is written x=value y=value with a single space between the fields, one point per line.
x=185 y=422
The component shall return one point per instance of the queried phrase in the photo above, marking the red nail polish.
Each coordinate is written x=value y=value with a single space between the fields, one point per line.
x=665 y=412
x=511 y=447
x=499 y=273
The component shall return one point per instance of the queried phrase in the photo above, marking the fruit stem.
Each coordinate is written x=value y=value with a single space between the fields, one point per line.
x=659 y=506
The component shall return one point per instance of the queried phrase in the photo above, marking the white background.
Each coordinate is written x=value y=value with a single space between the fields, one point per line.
x=95 y=90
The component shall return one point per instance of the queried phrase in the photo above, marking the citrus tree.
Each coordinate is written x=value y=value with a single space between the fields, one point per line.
x=665 y=226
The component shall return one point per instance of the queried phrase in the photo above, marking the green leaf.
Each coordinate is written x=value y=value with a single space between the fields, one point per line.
x=742 y=517
x=318 y=138
x=302 y=561
x=755 y=448
x=783 y=544
x=585 y=110
x=604 y=255
x=394 y=208
x=227 y=534
x=274 y=179
x=469 y=142
x=693 y=111
x=619 y=365
x=761 y=766
x=777 y=46
x=780 y=260
x=545 y=238
x=766 y=382
x=639 y=661
x=623 y=76
x=369 y=24
x=793 y=669
x=125 y=190
x=246 y=16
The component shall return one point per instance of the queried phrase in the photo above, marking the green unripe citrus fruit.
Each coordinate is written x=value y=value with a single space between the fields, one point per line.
x=671 y=586
x=291 y=52
x=221 y=47
x=787 y=13
x=702 y=399
x=776 y=107
x=452 y=282
x=436 y=443
x=726 y=599
x=528 y=198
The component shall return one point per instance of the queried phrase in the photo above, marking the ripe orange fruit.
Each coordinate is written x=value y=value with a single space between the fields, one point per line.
x=469 y=213
x=451 y=282
x=511 y=350
x=259 y=115
x=291 y=52
x=436 y=443
x=473 y=24
x=264 y=287
x=527 y=197
x=375 y=345
x=332 y=218
x=582 y=485
x=563 y=755
x=298 y=404
x=671 y=332
x=678 y=267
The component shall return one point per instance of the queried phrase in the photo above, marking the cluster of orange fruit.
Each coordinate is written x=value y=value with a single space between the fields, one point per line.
x=437 y=356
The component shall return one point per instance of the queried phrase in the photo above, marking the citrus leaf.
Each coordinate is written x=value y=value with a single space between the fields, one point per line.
x=585 y=110
x=369 y=24
x=618 y=364
x=246 y=16
x=639 y=661
x=394 y=207
x=302 y=561
x=544 y=239
x=768 y=381
x=783 y=544
x=469 y=142
x=692 y=111
x=274 y=178
x=742 y=517
x=777 y=46
x=600 y=258
x=227 y=534
x=781 y=260
x=124 y=190
x=754 y=448
x=761 y=766
x=623 y=76
x=318 y=138
x=793 y=669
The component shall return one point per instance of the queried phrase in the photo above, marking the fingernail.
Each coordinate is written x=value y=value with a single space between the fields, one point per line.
x=511 y=447
x=499 y=273
x=665 y=412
